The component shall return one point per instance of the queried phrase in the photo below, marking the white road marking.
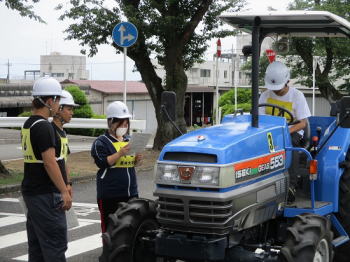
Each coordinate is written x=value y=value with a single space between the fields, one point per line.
x=9 y=199
x=77 y=247
x=21 y=237
x=10 y=220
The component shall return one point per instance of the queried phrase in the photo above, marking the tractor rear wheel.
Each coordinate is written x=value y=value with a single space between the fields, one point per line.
x=122 y=240
x=342 y=252
x=308 y=240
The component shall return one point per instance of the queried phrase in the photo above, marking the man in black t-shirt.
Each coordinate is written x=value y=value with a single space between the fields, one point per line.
x=44 y=186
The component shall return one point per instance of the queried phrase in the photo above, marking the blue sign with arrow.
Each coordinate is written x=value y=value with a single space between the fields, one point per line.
x=124 y=34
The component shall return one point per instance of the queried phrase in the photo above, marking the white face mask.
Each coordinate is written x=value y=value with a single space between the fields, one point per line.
x=121 y=131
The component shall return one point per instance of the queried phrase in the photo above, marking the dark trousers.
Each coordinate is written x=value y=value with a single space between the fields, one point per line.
x=109 y=206
x=46 y=228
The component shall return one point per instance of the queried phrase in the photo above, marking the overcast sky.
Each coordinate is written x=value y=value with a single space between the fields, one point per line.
x=23 y=40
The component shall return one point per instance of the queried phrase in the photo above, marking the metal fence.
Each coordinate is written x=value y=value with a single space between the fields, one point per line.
x=138 y=125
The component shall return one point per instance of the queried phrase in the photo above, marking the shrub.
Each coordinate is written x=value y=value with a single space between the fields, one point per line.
x=227 y=101
x=83 y=111
x=25 y=114
x=78 y=95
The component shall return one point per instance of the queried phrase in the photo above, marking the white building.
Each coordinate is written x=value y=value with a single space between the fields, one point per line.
x=64 y=66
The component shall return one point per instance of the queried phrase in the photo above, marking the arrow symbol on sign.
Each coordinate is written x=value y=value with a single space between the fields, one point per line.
x=129 y=37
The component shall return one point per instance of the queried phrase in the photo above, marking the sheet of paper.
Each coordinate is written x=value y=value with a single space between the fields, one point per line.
x=138 y=142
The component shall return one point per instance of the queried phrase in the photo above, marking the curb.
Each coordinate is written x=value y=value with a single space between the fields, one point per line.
x=17 y=187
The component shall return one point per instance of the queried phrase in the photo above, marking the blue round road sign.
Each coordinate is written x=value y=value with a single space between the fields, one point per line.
x=124 y=34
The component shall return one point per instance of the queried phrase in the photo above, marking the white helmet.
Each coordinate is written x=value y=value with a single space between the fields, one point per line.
x=67 y=99
x=277 y=76
x=117 y=109
x=47 y=86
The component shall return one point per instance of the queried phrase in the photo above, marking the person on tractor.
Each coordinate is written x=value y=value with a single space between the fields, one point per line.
x=279 y=93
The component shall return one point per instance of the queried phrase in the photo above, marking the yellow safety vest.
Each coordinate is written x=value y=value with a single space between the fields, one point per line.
x=27 y=148
x=124 y=161
x=64 y=149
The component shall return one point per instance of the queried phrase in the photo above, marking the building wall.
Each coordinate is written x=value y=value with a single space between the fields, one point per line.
x=63 y=66
x=140 y=106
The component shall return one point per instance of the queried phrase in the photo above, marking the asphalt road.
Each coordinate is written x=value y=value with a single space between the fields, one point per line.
x=84 y=241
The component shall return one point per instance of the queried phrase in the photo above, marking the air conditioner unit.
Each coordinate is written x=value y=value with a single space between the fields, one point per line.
x=281 y=46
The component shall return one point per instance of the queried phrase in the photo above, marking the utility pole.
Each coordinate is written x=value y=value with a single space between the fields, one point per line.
x=8 y=71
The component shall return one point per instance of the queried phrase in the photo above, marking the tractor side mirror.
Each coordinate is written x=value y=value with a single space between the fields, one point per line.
x=168 y=104
x=344 y=115
x=247 y=50
x=334 y=109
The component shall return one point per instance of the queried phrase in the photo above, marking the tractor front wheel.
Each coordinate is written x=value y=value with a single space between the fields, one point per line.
x=308 y=240
x=131 y=222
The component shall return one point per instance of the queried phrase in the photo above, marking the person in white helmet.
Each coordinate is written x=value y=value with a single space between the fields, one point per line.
x=116 y=177
x=63 y=116
x=44 y=186
x=278 y=92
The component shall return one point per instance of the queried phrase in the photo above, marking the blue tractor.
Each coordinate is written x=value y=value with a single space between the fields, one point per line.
x=222 y=193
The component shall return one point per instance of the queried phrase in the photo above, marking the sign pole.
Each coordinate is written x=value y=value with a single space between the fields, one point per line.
x=314 y=65
x=217 y=91
x=125 y=53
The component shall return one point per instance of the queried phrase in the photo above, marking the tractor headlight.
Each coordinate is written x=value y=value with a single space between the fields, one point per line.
x=167 y=174
x=206 y=176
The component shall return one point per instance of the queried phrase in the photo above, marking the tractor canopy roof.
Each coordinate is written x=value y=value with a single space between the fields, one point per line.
x=291 y=23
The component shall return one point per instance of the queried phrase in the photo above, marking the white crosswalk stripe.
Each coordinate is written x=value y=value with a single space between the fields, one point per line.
x=85 y=242
x=76 y=247
x=7 y=221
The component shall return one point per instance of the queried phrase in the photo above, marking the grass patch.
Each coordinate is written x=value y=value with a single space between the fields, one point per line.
x=12 y=179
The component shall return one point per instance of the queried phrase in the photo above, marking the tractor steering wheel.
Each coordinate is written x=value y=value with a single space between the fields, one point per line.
x=282 y=110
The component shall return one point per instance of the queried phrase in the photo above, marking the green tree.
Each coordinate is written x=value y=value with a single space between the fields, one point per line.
x=174 y=32
x=23 y=8
x=334 y=61
x=227 y=101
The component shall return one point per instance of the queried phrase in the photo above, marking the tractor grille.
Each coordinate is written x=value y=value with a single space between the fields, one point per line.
x=171 y=208
x=210 y=211
x=196 y=211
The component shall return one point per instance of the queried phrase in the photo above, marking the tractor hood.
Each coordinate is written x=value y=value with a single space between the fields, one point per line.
x=232 y=141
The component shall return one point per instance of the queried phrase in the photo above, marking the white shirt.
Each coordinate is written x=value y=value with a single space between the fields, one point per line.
x=294 y=101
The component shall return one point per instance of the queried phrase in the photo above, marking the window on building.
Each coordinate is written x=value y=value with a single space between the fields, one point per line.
x=57 y=74
x=205 y=73
x=70 y=75
x=225 y=74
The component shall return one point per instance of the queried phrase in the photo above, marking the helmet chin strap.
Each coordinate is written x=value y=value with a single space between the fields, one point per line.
x=60 y=118
x=46 y=105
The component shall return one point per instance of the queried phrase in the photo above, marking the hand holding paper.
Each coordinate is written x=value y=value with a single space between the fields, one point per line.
x=138 y=142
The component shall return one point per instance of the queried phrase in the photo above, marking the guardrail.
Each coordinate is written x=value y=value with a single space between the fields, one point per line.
x=139 y=125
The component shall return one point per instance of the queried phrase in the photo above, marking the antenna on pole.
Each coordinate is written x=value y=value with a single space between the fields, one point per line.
x=8 y=71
